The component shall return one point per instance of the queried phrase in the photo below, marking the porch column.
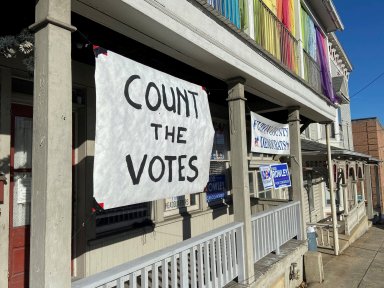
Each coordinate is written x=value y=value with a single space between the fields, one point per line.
x=378 y=188
x=368 y=181
x=346 y=199
x=239 y=170
x=50 y=264
x=332 y=191
x=297 y=165
x=362 y=189
x=354 y=184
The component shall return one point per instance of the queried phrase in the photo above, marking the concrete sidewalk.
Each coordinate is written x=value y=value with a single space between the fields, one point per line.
x=360 y=265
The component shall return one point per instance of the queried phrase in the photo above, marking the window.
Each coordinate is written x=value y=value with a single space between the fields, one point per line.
x=218 y=187
x=123 y=218
x=220 y=141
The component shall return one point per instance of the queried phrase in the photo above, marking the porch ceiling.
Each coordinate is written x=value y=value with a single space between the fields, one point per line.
x=264 y=79
x=309 y=147
x=223 y=55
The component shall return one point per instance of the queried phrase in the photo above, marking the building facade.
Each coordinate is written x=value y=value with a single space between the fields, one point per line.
x=369 y=138
x=269 y=57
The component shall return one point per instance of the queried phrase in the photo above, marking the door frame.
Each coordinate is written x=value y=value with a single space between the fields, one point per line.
x=21 y=111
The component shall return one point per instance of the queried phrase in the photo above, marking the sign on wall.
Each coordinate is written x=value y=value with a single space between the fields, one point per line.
x=177 y=202
x=266 y=177
x=216 y=188
x=268 y=136
x=154 y=134
x=280 y=175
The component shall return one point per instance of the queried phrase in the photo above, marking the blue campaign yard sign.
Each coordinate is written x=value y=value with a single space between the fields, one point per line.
x=280 y=175
x=216 y=188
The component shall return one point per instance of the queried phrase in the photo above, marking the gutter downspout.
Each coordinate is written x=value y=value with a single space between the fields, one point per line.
x=331 y=192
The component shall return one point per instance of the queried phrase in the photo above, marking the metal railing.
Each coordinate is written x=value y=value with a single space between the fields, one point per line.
x=228 y=9
x=212 y=259
x=274 y=37
x=273 y=228
x=312 y=72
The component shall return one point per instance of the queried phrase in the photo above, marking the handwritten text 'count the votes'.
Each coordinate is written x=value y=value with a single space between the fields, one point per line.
x=177 y=101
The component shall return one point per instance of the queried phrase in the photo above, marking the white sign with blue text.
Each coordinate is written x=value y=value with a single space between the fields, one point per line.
x=268 y=136
x=266 y=176
x=280 y=175
x=216 y=188
x=154 y=133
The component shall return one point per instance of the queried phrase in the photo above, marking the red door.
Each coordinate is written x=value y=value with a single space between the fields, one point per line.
x=20 y=195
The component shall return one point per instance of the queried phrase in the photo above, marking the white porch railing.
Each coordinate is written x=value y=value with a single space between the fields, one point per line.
x=273 y=228
x=212 y=259
x=353 y=217
x=324 y=235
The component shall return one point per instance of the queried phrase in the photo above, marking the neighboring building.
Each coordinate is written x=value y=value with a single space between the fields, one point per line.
x=351 y=183
x=368 y=136
x=52 y=231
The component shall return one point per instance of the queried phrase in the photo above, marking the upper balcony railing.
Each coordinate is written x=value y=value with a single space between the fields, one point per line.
x=270 y=33
x=274 y=37
x=312 y=72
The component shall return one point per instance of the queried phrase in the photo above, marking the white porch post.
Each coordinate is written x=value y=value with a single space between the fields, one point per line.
x=297 y=166
x=362 y=189
x=332 y=192
x=368 y=182
x=378 y=188
x=346 y=201
x=239 y=170
x=354 y=184
x=50 y=264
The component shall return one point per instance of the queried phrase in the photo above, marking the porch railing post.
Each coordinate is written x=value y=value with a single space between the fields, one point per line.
x=332 y=190
x=240 y=255
x=299 y=222
x=184 y=268
x=277 y=234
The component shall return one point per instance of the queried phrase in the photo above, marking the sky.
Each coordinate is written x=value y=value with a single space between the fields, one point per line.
x=363 y=42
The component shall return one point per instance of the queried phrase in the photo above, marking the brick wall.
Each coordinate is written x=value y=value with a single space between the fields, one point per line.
x=368 y=138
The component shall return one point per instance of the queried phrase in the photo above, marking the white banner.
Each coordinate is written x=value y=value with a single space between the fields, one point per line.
x=268 y=136
x=154 y=134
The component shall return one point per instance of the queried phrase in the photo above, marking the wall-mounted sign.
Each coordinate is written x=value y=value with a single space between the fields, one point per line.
x=280 y=175
x=177 y=202
x=268 y=136
x=154 y=133
x=266 y=177
x=216 y=188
